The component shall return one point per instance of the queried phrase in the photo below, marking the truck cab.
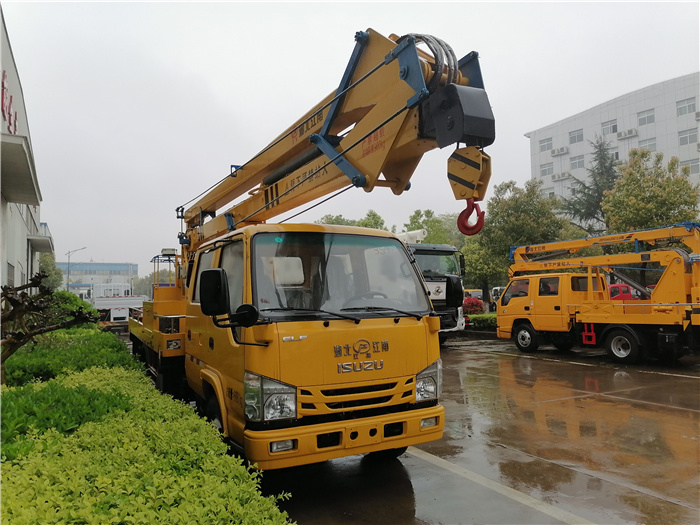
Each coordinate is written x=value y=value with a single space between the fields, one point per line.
x=440 y=263
x=541 y=308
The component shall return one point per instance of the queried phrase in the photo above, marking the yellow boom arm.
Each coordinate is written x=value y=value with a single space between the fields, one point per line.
x=394 y=103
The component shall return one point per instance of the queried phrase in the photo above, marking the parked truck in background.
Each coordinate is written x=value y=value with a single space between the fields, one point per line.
x=307 y=342
x=113 y=301
x=577 y=309
x=437 y=262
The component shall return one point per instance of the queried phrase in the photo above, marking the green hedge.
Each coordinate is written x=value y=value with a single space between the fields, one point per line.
x=483 y=322
x=117 y=451
x=64 y=351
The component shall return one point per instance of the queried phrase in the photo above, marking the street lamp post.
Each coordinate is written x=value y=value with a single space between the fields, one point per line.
x=68 y=276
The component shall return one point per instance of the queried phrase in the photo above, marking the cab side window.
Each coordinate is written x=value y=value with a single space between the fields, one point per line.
x=232 y=264
x=519 y=288
x=205 y=263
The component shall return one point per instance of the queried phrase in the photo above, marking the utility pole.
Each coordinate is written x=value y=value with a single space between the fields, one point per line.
x=68 y=276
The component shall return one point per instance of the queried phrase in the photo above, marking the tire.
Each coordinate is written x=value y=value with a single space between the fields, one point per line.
x=622 y=347
x=213 y=414
x=526 y=338
x=386 y=455
x=562 y=342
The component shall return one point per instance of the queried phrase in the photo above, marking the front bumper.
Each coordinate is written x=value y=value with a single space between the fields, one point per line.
x=316 y=443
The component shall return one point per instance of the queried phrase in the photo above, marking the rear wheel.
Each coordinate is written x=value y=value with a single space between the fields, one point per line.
x=562 y=342
x=526 y=338
x=622 y=347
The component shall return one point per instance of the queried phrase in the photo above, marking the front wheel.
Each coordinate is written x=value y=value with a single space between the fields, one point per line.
x=622 y=347
x=213 y=414
x=526 y=338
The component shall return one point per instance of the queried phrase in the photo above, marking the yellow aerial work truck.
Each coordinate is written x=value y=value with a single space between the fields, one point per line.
x=568 y=309
x=306 y=342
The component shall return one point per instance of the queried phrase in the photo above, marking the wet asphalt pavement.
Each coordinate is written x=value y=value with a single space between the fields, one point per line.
x=542 y=438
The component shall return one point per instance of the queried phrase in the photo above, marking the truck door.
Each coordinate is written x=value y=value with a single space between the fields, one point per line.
x=547 y=306
x=514 y=304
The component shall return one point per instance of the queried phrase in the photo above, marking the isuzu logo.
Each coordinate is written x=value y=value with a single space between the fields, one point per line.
x=361 y=349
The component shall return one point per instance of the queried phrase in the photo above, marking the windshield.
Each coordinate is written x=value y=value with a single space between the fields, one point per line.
x=316 y=272
x=437 y=264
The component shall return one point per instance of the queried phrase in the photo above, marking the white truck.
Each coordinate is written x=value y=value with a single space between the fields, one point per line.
x=112 y=301
x=436 y=262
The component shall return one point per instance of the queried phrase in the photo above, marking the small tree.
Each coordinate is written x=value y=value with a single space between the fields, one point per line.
x=54 y=275
x=26 y=315
x=650 y=194
x=585 y=205
x=517 y=217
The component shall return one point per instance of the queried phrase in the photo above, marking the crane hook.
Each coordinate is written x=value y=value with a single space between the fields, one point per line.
x=463 y=219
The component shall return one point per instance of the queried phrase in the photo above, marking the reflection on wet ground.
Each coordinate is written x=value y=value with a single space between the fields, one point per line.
x=603 y=442
x=349 y=490
x=620 y=437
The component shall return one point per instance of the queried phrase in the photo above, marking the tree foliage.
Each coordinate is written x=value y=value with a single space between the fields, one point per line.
x=26 y=315
x=371 y=220
x=434 y=225
x=520 y=216
x=54 y=275
x=515 y=217
x=650 y=193
x=585 y=205
x=144 y=285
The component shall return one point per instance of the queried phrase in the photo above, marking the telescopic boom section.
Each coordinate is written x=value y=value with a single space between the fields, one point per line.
x=547 y=256
x=394 y=103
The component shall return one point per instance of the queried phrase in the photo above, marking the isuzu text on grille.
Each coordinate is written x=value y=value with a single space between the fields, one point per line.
x=359 y=366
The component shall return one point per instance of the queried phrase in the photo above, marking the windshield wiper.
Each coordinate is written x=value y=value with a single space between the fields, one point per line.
x=292 y=309
x=377 y=308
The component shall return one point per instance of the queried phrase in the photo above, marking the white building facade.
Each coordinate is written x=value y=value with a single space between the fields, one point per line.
x=22 y=234
x=661 y=118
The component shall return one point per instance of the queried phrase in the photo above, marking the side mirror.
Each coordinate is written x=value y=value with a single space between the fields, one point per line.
x=213 y=292
x=454 y=293
x=246 y=315
x=214 y=301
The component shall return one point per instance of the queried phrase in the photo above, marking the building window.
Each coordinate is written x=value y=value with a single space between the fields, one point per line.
x=685 y=106
x=546 y=144
x=688 y=136
x=645 y=117
x=694 y=166
x=546 y=169
x=615 y=154
x=649 y=144
x=609 y=127
x=575 y=136
x=577 y=162
x=10 y=275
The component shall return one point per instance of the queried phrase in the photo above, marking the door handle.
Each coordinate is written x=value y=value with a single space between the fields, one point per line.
x=527 y=308
x=557 y=308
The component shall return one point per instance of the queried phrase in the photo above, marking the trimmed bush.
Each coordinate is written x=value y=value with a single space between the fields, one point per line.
x=483 y=322
x=472 y=305
x=153 y=461
x=37 y=408
x=70 y=350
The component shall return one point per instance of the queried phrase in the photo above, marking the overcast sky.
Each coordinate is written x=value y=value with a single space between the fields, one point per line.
x=136 y=108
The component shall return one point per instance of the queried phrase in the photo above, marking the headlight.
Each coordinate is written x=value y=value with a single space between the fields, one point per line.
x=429 y=382
x=268 y=400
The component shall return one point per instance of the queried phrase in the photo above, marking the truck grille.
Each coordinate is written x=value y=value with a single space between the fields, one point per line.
x=329 y=401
